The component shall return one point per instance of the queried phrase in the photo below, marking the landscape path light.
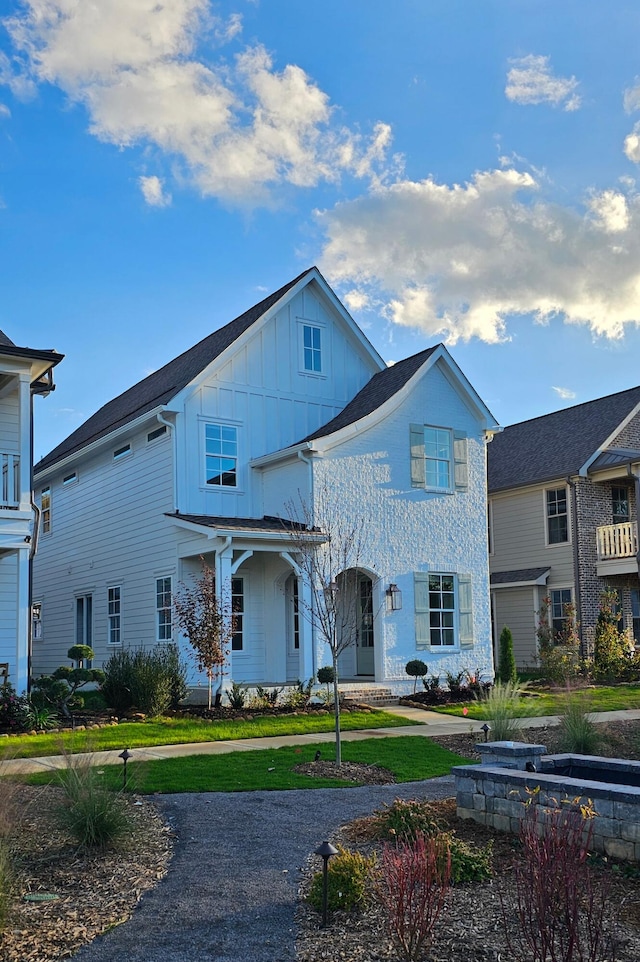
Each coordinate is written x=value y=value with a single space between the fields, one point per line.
x=325 y=851
x=485 y=728
x=125 y=756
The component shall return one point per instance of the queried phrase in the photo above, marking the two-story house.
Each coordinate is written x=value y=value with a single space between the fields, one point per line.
x=24 y=372
x=563 y=518
x=203 y=458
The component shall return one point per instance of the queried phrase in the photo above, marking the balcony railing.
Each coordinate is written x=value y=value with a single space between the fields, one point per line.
x=617 y=541
x=9 y=480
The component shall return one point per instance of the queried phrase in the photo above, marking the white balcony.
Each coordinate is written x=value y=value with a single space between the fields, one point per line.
x=9 y=480
x=617 y=546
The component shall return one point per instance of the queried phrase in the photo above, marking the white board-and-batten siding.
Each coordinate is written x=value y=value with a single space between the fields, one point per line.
x=273 y=403
x=107 y=528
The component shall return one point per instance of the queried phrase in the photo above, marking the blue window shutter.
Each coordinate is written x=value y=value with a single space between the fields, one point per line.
x=416 y=440
x=460 y=465
x=465 y=606
x=421 y=604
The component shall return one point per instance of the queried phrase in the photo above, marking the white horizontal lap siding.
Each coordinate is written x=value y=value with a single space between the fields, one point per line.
x=108 y=528
x=412 y=530
x=262 y=391
x=10 y=424
x=519 y=533
x=9 y=611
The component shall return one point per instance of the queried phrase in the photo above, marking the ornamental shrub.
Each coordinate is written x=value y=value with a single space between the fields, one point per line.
x=59 y=690
x=348 y=881
x=416 y=668
x=13 y=709
x=506 y=660
x=151 y=681
x=95 y=817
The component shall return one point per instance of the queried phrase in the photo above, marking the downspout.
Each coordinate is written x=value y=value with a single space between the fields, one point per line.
x=576 y=561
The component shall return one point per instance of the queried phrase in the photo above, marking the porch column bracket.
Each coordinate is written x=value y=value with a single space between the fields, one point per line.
x=240 y=561
x=297 y=570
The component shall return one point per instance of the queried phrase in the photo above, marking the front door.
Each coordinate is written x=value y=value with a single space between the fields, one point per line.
x=364 y=638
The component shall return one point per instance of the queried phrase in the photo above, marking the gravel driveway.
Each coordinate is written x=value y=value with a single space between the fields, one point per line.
x=232 y=886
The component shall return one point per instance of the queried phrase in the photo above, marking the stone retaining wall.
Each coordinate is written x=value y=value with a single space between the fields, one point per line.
x=495 y=795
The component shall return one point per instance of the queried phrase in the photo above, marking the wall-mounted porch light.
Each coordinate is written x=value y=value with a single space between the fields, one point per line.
x=394 y=598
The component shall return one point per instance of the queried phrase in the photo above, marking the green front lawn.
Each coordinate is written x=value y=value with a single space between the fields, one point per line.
x=552 y=703
x=410 y=758
x=181 y=731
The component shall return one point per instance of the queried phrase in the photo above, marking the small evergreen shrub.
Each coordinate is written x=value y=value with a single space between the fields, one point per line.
x=469 y=863
x=325 y=676
x=237 y=695
x=151 y=681
x=349 y=879
x=506 y=661
x=416 y=668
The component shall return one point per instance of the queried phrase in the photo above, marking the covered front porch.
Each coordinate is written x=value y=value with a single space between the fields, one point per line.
x=258 y=575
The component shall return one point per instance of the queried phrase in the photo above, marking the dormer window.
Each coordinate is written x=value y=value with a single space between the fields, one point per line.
x=312 y=348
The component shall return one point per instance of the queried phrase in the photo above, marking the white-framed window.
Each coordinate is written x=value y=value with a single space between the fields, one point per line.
x=635 y=614
x=560 y=598
x=114 y=613
x=121 y=452
x=312 y=348
x=221 y=455
x=237 y=608
x=36 y=621
x=156 y=433
x=443 y=610
x=439 y=458
x=70 y=478
x=45 y=509
x=557 y=515
x=620 y=504
x=293 y=614
x=84 y=620
x=164 y=619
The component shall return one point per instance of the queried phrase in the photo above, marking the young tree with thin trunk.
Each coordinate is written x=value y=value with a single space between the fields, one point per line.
x=328 y=548
x=207 y=623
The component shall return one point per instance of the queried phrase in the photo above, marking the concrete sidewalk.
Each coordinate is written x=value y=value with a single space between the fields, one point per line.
x=426 y=724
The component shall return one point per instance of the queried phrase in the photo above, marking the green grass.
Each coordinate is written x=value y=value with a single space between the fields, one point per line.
x=182 y=731
x=553 y=703
x=410 y=758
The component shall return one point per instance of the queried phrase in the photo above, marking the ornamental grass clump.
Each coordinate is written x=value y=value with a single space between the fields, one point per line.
x=502 y=705
x=578 y=733
x=95 y=817
x=412 y=889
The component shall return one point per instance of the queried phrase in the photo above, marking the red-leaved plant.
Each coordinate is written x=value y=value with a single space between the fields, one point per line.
x=412 y=888
x=561 y=905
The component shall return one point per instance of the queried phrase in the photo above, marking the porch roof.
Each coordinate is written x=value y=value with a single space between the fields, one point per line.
x=265 y=526
x=614 y=458
x=521 y=576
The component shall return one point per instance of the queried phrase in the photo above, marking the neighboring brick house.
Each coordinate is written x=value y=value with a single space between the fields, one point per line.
x=202 y=457
x=563 y=496
x=24 y=372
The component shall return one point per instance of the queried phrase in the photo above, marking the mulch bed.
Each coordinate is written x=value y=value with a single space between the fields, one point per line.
x=95 y=891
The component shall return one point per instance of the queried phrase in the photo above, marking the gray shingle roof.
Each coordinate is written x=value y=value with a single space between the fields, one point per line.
x=555 y=445
x=379 y=389
x=267 y=524
x=158 y=388
x=519 y=576
x=6 y=341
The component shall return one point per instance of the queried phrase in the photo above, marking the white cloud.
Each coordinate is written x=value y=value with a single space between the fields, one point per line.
x=610 y=211
x=463 y=258
x=565 y=393
x=631 y=98
x=632 y=144
x=356 y=300
x=153 y=191
x=530 y=81
x=238 y=128
x=5 y=113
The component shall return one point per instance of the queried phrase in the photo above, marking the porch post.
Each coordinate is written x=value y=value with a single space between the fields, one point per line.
x=224 y=562
x=305 y=601
x=24 y=472
x=23 y=626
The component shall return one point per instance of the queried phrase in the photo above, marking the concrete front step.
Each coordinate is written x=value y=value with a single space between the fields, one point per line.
x=370 y=696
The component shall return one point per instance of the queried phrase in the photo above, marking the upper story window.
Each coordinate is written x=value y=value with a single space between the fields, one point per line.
x=121 y=452
x=70 y=478
x=312 y=348
x=45 y=509
x=438 y=458
x=620 y=504
x=157 y=433
x=557 y=516
x=221 y=455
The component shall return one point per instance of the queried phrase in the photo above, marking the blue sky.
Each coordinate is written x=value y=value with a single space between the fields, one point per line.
x=462 y=171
